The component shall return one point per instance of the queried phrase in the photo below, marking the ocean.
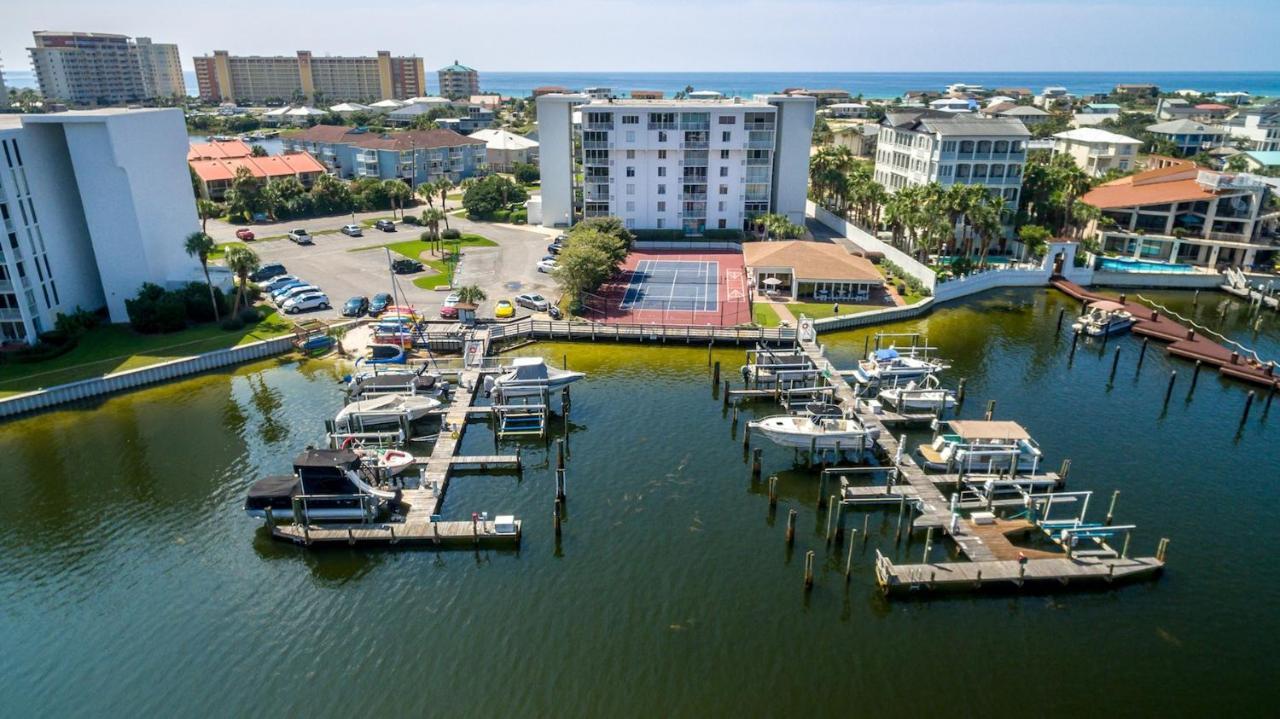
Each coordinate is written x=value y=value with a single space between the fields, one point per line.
x=868 y=84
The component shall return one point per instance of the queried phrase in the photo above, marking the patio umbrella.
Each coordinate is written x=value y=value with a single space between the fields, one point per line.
x=773 y=282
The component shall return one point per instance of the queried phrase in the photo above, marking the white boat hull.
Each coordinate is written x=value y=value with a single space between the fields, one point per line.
x=927 y=401
x=803 y=433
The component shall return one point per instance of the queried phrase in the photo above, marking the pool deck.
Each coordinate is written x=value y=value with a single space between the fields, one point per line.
x=1184 y=342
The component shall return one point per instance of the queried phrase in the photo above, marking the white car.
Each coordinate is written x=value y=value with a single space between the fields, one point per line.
x=294 y=292
x=547 y=265
x=535 y=302
x=352 y=231
x=452 y=300
x=274 y=282
x=306 y=301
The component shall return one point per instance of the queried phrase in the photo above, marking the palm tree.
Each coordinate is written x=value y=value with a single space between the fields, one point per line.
x=199 y=245
x=443 y=186
x=427 y=190
x=207 y=209
x=431 y=218
x=989 y=223
x=471 y=295
x=243 y=262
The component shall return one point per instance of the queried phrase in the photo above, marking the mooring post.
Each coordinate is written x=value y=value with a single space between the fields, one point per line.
x=1111 y=511
x=746 y=440
x=709 y=346
x=560 y=485
x=1195 y=377
x=960 y=392
x=991 y=409
x=773 y=491
x=808 y=570
x=1248 y=403
x=1075 y=339
x=866 y=521
x=1142 y=353
x=1058 y=330
x=866 y=352
x=1195 y=298
x=560 y=453
x=848 y=562
x=791 y=527
x=822 y=488
x=1115 y=362
x=928 y=544
x=902 y=509
x=755 y=464
x=1124 y=551
x=1105 y=336
x=715 y=374
x=831 y=515
x=1064 y=471
x=559 y=509
x=1271 y=394
x=564 y=361
x=1173 y=376
x=725 y=394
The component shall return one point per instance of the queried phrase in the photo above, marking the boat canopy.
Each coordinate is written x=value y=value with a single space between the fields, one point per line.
x=528 y=369
x=275 y=486
x=1106 y=306
x=974 y=430
x=326 y=459
x=884 y=355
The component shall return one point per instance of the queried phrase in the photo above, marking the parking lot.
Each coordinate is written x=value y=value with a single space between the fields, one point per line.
x=504 y=271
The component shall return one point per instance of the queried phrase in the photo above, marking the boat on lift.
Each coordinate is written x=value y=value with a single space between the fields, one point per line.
x=1103 y=317
x=326 y=485
x=377 y=412
x=819 y=431
x=894 y=365
x=531 y=375
x=388 y=462
x=924 y=395
x=981 y=446
x=406 y=381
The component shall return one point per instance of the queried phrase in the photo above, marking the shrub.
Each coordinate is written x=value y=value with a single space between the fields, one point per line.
x=410 y=219
x=195 y=298
x=502 y=215
x=232 y=323
x=425 y=237
x=156 y=310
x=718 y=234
x=659 y=235
x=519 y=218
x=78 y=322
x=525 y=173
x=250 y=315
x=451 y=234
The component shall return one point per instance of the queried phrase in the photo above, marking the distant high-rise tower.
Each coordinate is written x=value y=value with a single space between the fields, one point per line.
x=459 y=81
x=89 y=68
x=223 y=77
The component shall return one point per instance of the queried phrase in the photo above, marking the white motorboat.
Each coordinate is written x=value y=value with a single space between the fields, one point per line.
x=803 y=431
x=1103 y=317
x=326 y=484
x=390 y=379
x=530 y=376
x=925 y=395
x=388 y=410
x=893 y=365
x=981 y=447
x=389 y=462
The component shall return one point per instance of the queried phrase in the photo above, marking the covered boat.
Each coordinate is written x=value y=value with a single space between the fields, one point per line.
x=389 y=410
x=403 y=381
x=803 y=431
x=326 y=485
x=1103 y=317
x=531 y=375
x=892 y=365
x=389 y=462
x=981 y=446
x=924 y=395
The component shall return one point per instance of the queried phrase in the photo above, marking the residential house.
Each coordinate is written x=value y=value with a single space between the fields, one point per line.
x=1266 y=162
x=1096 y=113
x=1258 y=127
x=1053 y=96
x=347 y=108
x=1182 y=213
x=1189 y=136
x=1137 y=91
x=646 y=94
x=1174 y=108
x=824 y=97
x=1017 y=93
x=952 y=104
x=506 y=149
x=1096 y=151
x=416 y=156
x=1026 y=114
x=810 y=270
x=477 y=117
x=215 y=174
x=859 y=137
x=851 y=110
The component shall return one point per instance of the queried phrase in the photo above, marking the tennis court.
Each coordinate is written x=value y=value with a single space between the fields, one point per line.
x=672 y=285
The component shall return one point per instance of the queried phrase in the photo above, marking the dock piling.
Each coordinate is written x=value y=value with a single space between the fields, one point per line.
x=725 y=394
x=1064 y=471
x=960 y=392
x=1115 y=362
x=715 y=374
x=808 y=570
x=1248 y=403
x=791 y=527
x=755 y=464
x=556 y=515
x=1112 y=509
x=1142 y=353
x=848 y=562
x=1195 y=377
x=902 y=509
x=1058 y=329
x=773 y=491
x=560 y=453
x=822 y=489
x=928 y=544
x=831 y=515
x=866 y=522
x=1173 y=376
x=991 y=409
x=1075 y=339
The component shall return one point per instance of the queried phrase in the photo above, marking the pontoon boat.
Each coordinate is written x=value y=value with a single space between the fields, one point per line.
x=326 y=484
x=981 y=447
x=893 y=365
x=1103 y=317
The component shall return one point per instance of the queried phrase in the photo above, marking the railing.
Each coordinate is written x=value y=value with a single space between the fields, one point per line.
x=596 y=144
x=598 y=125
x=563 y=329
x=664 y=126
x=759 y=144
x=695 y=125
x=759 y=126
x=764 y=161
x=695 y=144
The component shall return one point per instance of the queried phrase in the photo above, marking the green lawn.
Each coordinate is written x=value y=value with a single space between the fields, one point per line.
x=374 y=220
x=434 y=281
x=413 y=249
x=220 y=251
x=115 y=348
x=819 y=310
x=766 y=316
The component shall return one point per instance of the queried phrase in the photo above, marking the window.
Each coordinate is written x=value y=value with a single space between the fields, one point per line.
x=662 y=171
x=662 y=136
x=631 y=223
x=726 y=136
x=631 y=119
x=722 y=224
x=1124 y=164
x=631 y=154
x=662 y=189
x=662 y=206
x=724 y=172
x=631 y=206
x=728 y=120
x=631 y=189
x=631 y=135
x=724 y=189
x=720 y=206
x=949 y=146
x=724 y=154
x=660 y=223
x=631 y=171
x=662 y=154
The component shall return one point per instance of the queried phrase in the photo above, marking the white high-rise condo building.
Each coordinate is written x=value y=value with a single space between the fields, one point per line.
x=89 y=68
x=92 y=205
x=917 y=147
x=688 y=165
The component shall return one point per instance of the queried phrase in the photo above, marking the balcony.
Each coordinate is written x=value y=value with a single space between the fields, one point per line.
x=664 y=126
x=693 y=197
x=598 y=125
x=600 y=194
x=758 y=126
x=596 y=144
x=703 y=125
x=695 y=144
x=11 y=315
x=759 y=144
x=759 y=161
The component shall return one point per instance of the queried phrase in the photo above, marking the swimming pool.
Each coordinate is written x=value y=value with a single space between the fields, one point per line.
x=1119 y=264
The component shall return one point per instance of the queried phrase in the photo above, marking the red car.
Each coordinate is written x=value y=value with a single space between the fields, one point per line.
x=448 y=313
x=245 y=234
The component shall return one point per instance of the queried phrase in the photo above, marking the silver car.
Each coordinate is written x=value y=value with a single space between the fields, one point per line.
x=535 y=302
x=352 y=231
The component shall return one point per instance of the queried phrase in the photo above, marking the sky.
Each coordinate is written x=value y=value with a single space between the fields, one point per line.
x=695 y=35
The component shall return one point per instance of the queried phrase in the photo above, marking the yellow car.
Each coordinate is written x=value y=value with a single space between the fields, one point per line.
x=504 y=308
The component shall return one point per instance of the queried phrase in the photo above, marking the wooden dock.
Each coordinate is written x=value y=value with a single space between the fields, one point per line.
x=1183 y=341
x=419 y=521
x=993 y=558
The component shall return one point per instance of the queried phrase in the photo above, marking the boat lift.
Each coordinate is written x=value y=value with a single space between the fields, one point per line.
x=524 y=409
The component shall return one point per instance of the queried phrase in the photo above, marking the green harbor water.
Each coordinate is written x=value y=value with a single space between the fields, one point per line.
x=132 y=584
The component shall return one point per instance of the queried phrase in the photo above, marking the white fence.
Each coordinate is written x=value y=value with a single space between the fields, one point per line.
x=868 y=242
x=720 y=245
x=117 y=381
x=874 y=317
x=991 y=279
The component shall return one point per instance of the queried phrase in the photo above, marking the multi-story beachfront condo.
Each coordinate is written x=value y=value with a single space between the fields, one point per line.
x=92 y=205
x=916 y=147
x=458 y=81
x=1258 y=125
x=1097 y=151
x=222 y=77
x=690 y=165
x=415 y=156
x=90 y=68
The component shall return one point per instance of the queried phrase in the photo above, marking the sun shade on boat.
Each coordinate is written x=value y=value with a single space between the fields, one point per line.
x=326 y=458
x=977 y=429
x=529 y=369
x=1106 y=306
x=277 y=486
x=888 y=354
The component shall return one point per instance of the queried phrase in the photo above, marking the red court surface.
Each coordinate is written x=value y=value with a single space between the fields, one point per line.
x=675 y=287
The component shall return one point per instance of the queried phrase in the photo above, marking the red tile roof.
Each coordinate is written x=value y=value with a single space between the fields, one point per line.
x=218 y=150
x=289 y=165
x=399 y=140
x=1154 y=187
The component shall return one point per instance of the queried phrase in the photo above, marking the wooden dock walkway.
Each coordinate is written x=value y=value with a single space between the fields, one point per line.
x=1183 y=341
x=993 y=558
x=420 y=507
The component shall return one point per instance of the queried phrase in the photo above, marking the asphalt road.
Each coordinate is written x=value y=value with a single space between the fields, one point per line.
x=502 y=272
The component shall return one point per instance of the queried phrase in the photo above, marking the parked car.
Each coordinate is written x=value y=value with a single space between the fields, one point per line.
x=452 y=300
x=355 y=307
x=306 y=301
x=561 y=239
x=553 y=312
x=406 y=266
x=504 y=309
x=284 y=287
x=292 y=292
x=245 y=234
x=267 y=272
x=385 y=225
x=352 y=231
x=555 y=247
x=300 y=236
x=449 y=312
x=276 y=282
x=533 y=301
x=379 y=303
x=547 y=265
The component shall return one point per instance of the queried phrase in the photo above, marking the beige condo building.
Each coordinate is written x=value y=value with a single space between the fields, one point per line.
x=223 y=77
